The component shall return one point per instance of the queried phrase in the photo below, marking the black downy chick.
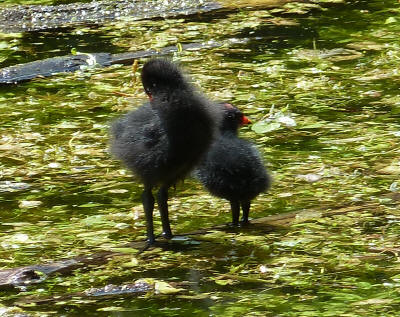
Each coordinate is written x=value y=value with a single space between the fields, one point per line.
x=163 y=140
x=233 y=168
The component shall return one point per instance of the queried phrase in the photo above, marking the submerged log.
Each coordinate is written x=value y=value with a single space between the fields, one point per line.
x=34 y=274
x=22 y=276
x=137 y=288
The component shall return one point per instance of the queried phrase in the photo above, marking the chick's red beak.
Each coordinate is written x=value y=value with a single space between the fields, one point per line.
x=148 y=93
x=245 y=120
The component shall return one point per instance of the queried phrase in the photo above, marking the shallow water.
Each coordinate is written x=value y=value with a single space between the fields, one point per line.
x=333 y=70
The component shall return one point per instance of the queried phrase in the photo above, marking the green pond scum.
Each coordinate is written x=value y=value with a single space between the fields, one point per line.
x=320 y=82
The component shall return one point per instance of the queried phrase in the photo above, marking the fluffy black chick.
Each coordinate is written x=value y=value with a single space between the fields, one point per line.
x=233 y=167
x=164 y=139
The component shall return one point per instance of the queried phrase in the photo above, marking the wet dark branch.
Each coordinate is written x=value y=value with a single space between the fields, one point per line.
x=39 y=17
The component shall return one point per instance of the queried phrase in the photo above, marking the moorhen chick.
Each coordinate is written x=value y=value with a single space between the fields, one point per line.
x=233 y=168
x=164 y=139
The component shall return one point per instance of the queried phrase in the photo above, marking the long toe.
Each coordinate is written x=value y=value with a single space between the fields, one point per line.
x=150 y=240
x=244 y=222
x=233 y=224
x=167 y=235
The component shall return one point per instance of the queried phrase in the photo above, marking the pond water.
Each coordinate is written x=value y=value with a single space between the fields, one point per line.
x=332 y=69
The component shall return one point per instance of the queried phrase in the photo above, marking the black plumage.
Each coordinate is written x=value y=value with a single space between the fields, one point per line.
x=233 y=168
x=164 y=139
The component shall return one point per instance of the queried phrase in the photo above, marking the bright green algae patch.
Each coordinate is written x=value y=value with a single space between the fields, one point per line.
x=335 y=72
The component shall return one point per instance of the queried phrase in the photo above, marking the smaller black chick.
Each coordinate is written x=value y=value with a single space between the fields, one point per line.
x=233 y=168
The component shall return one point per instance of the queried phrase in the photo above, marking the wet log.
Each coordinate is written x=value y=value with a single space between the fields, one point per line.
x=40 y=17
x=71 y=63
x=34 y=274
x=51 y=66
x=22 y=276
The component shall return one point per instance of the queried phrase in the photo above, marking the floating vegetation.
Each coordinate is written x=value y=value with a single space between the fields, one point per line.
x=330 y=75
